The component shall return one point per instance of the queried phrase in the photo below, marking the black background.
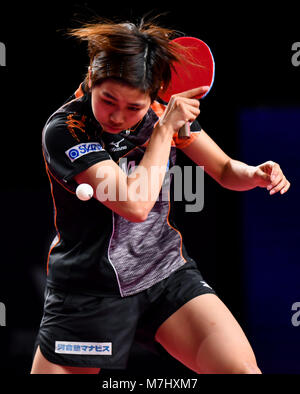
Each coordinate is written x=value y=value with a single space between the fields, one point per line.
x=251 y=43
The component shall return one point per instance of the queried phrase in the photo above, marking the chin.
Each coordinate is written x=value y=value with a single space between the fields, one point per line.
x=111 y=129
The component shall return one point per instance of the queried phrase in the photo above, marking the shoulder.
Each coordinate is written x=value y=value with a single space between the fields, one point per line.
x=65 y=130
x=73 y=120
x=63 y=125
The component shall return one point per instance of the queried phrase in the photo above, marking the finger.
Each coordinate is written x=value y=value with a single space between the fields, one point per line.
x=187 y=105
x=189 y=100
x=267 y=167
x=277 y=188
x=190 y=115
x=285 y=188
x=184 y=102
x=275 y=180
x=276 y=171
x=194 y=92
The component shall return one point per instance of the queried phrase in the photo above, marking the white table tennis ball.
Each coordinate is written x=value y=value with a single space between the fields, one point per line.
x=84 y=192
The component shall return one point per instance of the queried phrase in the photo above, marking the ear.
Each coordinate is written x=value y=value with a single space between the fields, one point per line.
x=90 y=77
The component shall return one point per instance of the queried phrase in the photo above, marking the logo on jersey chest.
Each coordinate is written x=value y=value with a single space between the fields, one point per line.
x=116 y=146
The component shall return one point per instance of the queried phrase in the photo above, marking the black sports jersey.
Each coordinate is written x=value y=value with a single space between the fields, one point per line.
x=97 y=251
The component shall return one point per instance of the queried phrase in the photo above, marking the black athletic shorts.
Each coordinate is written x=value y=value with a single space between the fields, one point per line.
x=90 y=331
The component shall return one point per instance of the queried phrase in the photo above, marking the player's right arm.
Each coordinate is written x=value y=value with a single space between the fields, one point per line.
x=117 y=190
x=131 y=196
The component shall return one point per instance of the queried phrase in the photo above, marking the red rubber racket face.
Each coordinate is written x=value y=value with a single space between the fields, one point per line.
x=189 y=76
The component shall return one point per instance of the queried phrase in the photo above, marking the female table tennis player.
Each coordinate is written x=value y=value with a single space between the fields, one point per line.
x=117 y=268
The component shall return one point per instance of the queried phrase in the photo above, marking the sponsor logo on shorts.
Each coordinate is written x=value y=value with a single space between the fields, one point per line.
x=84 y=348
x=82 y=149
x=205 y=284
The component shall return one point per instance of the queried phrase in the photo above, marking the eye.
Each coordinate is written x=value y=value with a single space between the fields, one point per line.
x=107 y=102
x=134 y=109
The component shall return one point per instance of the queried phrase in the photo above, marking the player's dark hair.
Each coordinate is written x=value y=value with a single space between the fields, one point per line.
x=138 y=55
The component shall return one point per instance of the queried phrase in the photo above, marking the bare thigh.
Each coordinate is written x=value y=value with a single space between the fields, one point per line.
x=42 y=366
x=205 y=337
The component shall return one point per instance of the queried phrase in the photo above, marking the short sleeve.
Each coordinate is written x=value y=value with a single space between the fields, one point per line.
x=183 y=143
x=67 y=151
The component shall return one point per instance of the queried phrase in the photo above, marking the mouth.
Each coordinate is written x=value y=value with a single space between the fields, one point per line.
x=112 y=128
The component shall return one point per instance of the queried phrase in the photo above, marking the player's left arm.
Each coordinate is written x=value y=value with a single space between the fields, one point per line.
x=233 y=174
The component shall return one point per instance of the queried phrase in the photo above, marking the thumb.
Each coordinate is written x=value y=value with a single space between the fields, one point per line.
x=267 y=167
x=263 y=178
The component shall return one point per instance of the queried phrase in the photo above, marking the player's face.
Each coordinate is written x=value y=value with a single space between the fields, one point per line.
x=118 y=107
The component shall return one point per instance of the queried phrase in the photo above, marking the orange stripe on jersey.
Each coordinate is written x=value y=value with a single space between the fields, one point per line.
x=79 y=92
x=55 y=216
x=179 y=233
x=57 y=180
x=183 y=143
x=158 y=108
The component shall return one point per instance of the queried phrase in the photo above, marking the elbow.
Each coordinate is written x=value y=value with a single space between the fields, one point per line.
x=223 y=174
x=130 y=211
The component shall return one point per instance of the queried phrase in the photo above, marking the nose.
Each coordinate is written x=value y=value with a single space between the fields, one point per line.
x=117 y=117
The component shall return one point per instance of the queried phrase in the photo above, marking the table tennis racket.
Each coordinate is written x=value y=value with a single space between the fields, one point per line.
x=198 y=69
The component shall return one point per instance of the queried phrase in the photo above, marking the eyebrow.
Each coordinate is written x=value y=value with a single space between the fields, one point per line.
x=108 y=95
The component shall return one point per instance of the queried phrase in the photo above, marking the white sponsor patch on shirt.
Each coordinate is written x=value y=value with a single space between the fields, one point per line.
x=82 y=149
x=87 y=348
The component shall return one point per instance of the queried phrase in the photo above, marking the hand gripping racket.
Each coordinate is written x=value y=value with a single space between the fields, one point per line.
x=197 y=70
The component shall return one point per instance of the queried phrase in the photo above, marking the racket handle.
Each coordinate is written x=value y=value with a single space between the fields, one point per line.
x=185 y=131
